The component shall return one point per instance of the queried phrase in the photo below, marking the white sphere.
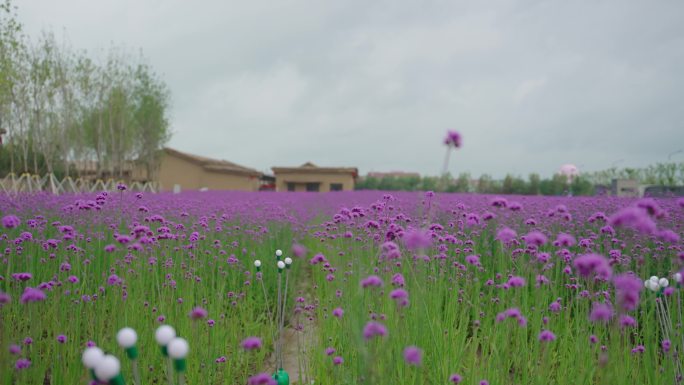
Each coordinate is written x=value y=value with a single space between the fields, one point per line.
x=279 y=253
x=107 y=368
x=288 y=261
x=653 y=278
x=653 y=286
x=281 y=265
x=178 y=348
x=92 y=356
x=126 y=338
x=663 y=282
x=257 y=263
x=678 y=277
x=164 y=334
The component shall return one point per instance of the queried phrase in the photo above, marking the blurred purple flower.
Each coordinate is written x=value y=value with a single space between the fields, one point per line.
x=261 y=379
x=601 y=312
x=417 y=239
x=22 y=277
x=32 y=295
x=546 y=336
x=506 y=235
x=198 y=313
x=453 y=138
x=627 y=289
x=22 y=363
x=593 y=264
x=371 y=280
x=627 y=321
x=535 y=238
x=251 y=343
x=10 y=221
x=298 y=251
x=413 y=355
x=635 y=218
x=374 y=329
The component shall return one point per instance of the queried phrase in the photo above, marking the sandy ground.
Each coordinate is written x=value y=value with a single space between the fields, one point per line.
x=297 y=345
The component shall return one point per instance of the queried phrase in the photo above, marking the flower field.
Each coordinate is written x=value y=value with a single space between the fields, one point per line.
x=408 y=288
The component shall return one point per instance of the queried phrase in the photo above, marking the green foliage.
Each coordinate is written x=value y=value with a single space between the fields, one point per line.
x=64 y=113
x=663 y=174
x=557 y=185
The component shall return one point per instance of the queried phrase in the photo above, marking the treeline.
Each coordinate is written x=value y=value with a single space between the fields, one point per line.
x=66 y=113
x=661 y=174
x=485 y=184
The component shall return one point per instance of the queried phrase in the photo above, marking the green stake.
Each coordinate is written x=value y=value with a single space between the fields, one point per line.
x=118 y=380
x=281 y=377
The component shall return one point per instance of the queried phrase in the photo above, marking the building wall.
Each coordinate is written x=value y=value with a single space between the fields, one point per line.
x=174 y=171
x=224 y=181
x=625 y=188
x=191 y=176
x=300 y=180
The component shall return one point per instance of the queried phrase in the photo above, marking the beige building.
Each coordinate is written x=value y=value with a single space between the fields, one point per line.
x=625 y=188
x=193 y=172
x=309 y=177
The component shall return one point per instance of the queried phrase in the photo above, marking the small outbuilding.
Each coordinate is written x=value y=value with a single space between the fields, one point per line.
x=309 y=177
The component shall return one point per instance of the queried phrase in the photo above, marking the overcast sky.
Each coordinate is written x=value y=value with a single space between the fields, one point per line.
x=375 y=84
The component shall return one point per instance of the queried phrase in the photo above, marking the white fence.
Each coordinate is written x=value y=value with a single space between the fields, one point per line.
x=26 y=183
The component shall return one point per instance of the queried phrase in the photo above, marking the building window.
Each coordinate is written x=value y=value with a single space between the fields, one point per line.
x=312 y=187
x=335 y=186
x=290 y=186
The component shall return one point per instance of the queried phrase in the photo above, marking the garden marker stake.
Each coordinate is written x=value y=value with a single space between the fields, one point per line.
x=108 y=370
x=277 y=340
x=178 y=350
x=164 y=335
x=658 y=286
x=678 y=279
x=288 y=264
x=127 y=338
x=260 y=277
x=91 y=357
x=281 y=376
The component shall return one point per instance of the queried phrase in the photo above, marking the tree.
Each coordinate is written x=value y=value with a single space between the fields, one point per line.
x=62 y=110
x=533 y=187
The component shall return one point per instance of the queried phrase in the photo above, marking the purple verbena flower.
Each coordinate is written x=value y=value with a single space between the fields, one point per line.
x=22 y=363
x=32 y=295
x=261 y=379
x=601 y=312
x=589 y=264
x=198 y=313
x=453 y=139
x=546 y=336
x=371 y=281
x=413 y=355
x=374 y=329
x=251 y=343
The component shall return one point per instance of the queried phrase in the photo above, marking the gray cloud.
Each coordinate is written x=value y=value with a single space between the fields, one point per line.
x=529 y=84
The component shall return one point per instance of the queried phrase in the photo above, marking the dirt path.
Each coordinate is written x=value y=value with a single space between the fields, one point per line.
x=297 y=345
